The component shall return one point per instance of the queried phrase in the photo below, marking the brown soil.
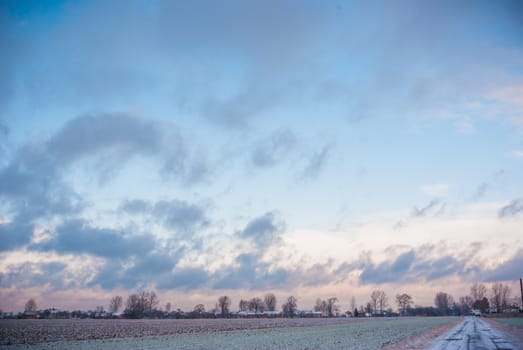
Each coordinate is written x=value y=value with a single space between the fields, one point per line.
x=37 y=331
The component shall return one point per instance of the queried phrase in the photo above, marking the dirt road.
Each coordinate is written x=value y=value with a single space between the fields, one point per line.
x=472 y=333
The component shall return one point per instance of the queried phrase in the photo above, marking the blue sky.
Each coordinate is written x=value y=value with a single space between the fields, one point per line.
x=205 y=148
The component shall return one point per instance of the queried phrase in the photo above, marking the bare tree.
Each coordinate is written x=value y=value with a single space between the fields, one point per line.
x=168 y=307
x=30 y=306
x=223 y=305
x=115 y=303
x=353 y=304
x=199 y=309
x=321 y=306
x=256 y=305
x=332 y=307
x=270 y=301
x=478 y=291
x=383 y=301
x=467 y=301
x=244 y=305
x=149 y=300
x=404 y=302
x=443 y=301
x=500 y=296
x=290 y=306
x=100 y=308
x=374 y=296
x=134 y=306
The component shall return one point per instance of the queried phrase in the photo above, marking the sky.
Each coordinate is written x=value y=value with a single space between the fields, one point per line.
x=306 y=148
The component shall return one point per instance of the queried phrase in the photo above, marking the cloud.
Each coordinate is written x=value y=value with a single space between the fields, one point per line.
x=417 y=265
x=29 y=275
x=188 y=278
x=389 y=271
x=263 y=231
x=509 y=270
x=32 y=181
x=429 y=208
x=486 y=185
x=118 y=133
x=117 y=137
x=79 y=237
x=250 y=272
x=273 y=149
x=178 y=215
x=513 y=208
x=14 y=235
x=153 y=266
x=135 y=206
x=316 y=163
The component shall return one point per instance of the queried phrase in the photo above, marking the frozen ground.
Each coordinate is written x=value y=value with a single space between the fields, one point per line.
x=283 y=334
x=474 y=333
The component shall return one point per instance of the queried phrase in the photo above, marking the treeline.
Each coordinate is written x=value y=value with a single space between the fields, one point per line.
x=480 y=299
x=146 y=304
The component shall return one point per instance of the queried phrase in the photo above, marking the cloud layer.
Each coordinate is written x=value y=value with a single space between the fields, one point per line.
x=202 y=148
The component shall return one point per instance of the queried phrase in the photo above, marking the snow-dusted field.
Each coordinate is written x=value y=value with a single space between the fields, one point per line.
x=255 y=334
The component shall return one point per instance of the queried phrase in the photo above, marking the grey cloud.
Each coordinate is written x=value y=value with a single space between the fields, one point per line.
x=33 y=188
x=250 y=273
x=389 y=271
x=184 y=217
x=273 y=149
x=14 y=235
x=235 y=112
x=135 y=206
x=423 y=211
x=417 y=265
x=263 y=231
x=185 y=278
x=480 y=190
x=515 y=207
x=159 y=263
x=316 y=275
x=181 y=215
x=316 y=163
x=77 y=236
x=28 y=275
x=31 y=183
x=443 y=267
x=507 y=271
x=153 y=266
x=112 y=275
x=116 y=137
x=117 y=132
x=487 y=185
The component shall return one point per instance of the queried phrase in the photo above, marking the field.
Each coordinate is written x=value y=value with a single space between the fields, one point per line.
x=512 y=321
x=232 y=334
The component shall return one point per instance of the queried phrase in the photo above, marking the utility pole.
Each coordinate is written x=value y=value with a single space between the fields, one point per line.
x=521 y=288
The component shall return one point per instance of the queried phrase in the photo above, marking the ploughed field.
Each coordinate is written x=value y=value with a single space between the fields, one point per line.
x=333 y=333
